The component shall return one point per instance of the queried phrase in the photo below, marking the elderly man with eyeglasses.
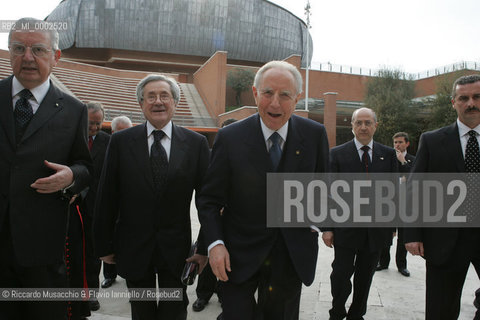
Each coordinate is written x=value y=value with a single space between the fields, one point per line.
x=142 y=211
x=44 y=158
x=357 y=250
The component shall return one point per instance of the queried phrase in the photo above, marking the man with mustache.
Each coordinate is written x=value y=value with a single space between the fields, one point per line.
x=449 y=251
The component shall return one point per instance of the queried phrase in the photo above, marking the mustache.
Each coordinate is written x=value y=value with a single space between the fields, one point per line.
x=474 y=108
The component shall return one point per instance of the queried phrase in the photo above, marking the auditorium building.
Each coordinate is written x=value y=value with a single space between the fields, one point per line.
x=109 y=45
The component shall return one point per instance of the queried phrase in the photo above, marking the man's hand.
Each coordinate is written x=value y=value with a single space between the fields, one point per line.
x=74 y=197
x=62 y=178
x=327 y=237
x=415 y=248
x=110 y=259
x=200 y=260
x=220 y=262
x=400 y=156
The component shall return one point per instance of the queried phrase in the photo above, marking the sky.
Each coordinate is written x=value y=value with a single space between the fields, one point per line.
x=410 y=35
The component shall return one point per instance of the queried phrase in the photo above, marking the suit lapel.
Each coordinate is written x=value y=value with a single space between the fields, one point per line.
x=95 y=147
x=357 y=164
x=51 y=104
x=140 y=152
x=294 y=149
x=178 y=150
x=451 y=143
x=255 y=143
x=6 y=111
x=378 y=156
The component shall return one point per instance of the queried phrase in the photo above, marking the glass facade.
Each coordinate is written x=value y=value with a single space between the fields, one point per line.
x=251 y=30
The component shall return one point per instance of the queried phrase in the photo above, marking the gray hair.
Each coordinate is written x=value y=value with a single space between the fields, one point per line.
x=120 y=120
x=94 y=106
x=280 y=65
x=464 y=80
x=354 y=114
x=35 y=25
x=174 y=88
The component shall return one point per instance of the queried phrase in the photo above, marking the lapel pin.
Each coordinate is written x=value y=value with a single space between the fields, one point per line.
x=56 y=104
x=381 y=158
x=297 y=152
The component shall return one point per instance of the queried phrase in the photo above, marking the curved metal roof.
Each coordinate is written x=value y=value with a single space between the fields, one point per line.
x=250 y=30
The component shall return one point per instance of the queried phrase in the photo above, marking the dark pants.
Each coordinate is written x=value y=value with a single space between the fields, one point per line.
x=93 y=263
x=75 y=263
x=278 y=287
x=361 y=264
x=109 y=271
x=12 y=275
x=445 y=282
x=206 y=284
x=162 y=310
x=400 y=254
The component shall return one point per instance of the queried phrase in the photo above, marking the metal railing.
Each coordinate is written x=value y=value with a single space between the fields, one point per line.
x=330 y=67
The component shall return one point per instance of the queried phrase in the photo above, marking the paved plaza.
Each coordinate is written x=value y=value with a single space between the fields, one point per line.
x=392 y=296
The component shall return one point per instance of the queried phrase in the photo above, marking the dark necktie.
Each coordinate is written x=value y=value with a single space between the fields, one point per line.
x=275 y=150
x=90 y=143
x=23 y=113
x=23 y=109
x=472 y=154
x=366 y=158
x=472 y=165
x=158 y=161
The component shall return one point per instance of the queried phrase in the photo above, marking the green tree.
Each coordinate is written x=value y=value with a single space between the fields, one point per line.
x=390 y=95
x=440 y=106
x=240 y=80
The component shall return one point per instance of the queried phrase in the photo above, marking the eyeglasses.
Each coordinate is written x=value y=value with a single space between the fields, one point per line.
x=94 y=123
x=359 y=123
x=38 y=50
x=282 y=96
x=164 y=97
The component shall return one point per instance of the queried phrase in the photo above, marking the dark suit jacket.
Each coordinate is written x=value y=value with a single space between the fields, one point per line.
x=407 y=167
x=130 y=220
x=236 y=180
x=345 y=159
x=438 y=151
x=99 y=148
x=57 y=133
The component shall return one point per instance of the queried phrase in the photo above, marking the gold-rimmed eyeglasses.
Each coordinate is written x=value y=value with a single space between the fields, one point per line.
x=367 y=123
x=38 y=50
x=151 y=98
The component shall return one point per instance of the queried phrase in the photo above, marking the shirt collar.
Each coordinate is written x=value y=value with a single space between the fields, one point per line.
x=463 y=129
x=38 y=92
x=167 y=129
x=267 y=132
x=360 y=145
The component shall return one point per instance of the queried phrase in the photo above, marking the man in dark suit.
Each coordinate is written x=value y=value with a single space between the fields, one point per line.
x=97 y=144
x=405 y=165
x=449 y=251
x=142 y=214
x=109 y=270
x=44 y=154
x=357 y=250
x=243 y=252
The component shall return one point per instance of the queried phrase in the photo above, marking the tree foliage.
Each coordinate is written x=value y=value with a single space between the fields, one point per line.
x=240 y=80
x=440 y=106
x=390 y=95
